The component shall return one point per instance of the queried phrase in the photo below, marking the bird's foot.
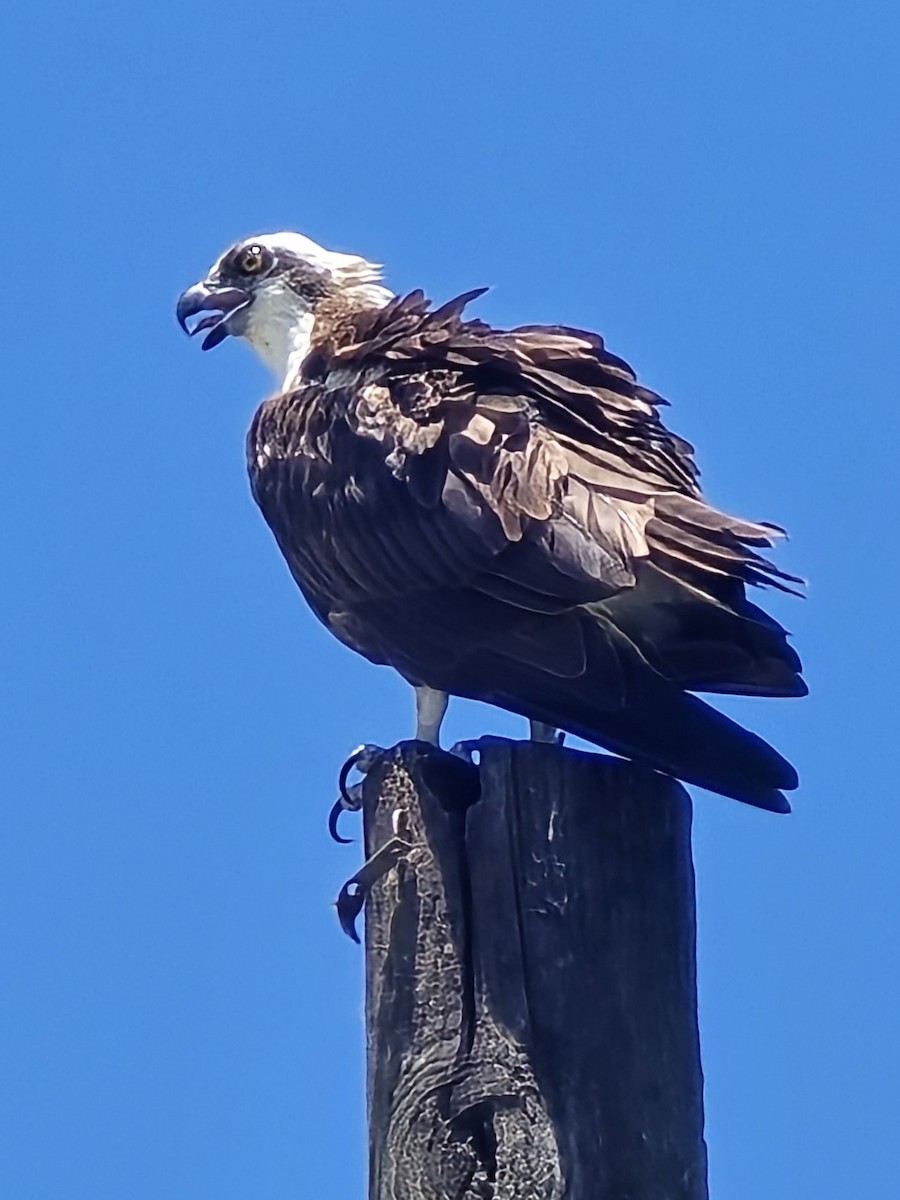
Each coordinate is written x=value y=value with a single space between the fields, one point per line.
x=353 y=895
x=469 y=747
x=549 y=734
x=355 y=892
x=362 y=760
x=456 y=785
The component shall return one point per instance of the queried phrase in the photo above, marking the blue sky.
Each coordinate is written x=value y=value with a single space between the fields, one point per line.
x=714 y=186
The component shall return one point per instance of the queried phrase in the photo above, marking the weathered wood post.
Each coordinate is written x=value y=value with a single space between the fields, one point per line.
x=531 y=998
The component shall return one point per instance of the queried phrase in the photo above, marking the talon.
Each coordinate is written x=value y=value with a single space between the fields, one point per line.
x=354 y=794
x=467 y=748
x=349 y=905
x=362 y=759
x=548 y=734
x=334 y=815
x=353 y=895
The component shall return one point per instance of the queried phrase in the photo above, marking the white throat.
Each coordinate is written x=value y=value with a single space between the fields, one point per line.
x=279 y=328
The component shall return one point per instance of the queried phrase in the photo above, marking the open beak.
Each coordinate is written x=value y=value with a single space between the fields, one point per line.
x=221 y=303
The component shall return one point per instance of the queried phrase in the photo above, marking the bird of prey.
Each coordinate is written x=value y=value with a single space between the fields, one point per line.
x=501 y=515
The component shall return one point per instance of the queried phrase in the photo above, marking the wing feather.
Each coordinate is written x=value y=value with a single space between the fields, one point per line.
x=503 y=514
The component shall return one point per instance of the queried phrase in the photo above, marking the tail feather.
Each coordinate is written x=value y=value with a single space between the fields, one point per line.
x=705 y=642
x=624 y=705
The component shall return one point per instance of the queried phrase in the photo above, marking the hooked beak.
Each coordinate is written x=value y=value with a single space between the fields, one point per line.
x=222 y=303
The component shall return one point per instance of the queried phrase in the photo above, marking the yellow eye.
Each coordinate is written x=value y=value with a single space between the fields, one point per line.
x=254 y=259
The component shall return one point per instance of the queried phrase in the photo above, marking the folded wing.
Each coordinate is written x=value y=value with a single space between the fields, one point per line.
x=545 y=545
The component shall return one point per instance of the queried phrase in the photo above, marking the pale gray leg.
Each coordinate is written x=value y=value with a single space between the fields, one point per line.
x=430 y=708
x=546 y=733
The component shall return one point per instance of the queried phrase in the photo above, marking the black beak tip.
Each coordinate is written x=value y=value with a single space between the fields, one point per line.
x=190 y=303
x=181 y=315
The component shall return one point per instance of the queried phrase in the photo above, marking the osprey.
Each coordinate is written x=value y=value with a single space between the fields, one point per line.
x=501 y=515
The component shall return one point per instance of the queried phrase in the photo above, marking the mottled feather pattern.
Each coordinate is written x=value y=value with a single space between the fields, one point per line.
x=491 y=511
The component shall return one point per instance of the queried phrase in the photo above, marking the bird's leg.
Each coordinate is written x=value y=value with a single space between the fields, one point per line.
x=430 y=708
x=546 y=733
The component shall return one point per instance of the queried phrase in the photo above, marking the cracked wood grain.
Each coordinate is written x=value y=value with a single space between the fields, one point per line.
x=530 y=980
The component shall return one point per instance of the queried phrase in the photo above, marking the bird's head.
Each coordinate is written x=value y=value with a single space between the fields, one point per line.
x=269 y=289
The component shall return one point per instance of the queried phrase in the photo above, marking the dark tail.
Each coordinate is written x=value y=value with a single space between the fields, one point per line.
x=705 y=641
x=625 y=705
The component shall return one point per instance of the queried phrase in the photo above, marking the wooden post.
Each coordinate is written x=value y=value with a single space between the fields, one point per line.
x=531 y=1000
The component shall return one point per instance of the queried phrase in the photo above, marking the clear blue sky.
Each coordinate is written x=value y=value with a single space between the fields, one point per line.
x=714 y=186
